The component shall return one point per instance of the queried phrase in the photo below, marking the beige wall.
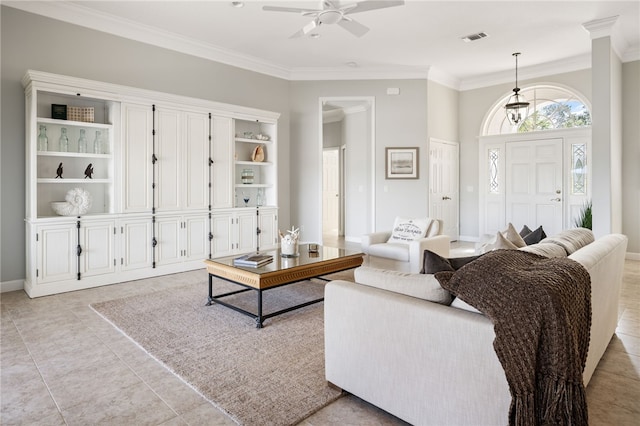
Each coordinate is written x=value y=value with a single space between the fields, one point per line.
x=631 y=154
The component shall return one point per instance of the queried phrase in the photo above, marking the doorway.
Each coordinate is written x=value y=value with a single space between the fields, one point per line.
x=444 y=195
x=332 y=210
x=347 y=140
x=533 y=185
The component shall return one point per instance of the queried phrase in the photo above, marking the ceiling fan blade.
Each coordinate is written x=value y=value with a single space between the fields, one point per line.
x=354 y=27
x=365 y=6
x=306 y=29
x=288 y=9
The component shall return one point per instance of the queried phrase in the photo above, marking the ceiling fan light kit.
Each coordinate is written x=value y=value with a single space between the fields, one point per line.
x=517 y=107
x=331 y=14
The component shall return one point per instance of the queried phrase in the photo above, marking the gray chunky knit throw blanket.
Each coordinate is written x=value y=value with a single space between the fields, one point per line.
x=541 y=311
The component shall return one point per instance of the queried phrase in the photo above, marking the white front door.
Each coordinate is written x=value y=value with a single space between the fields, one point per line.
x=534 y=184
x=331 y=191
x=443 y=185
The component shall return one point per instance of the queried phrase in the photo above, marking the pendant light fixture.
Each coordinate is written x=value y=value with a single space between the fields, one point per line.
x=517 y=107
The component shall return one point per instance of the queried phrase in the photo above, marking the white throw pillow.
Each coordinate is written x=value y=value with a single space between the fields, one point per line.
x=406 y=230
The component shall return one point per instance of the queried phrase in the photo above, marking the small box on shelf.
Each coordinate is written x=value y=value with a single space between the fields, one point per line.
x=59 y=112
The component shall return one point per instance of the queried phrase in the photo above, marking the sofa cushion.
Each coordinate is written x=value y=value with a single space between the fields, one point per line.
x=546 y=250
x=396 y=251
x=435 y=263
x=571 y=240
x=525 y=231
x=512 y=235
x=461 y=304
x=423 y=286
x=405 y=230
x=508 y=239
x=534 y=237
x=502 y=243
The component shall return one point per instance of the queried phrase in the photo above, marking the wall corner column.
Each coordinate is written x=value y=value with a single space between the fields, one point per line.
x=606 y=163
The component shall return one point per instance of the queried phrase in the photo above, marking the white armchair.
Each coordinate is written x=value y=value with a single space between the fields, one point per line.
x=407 y=254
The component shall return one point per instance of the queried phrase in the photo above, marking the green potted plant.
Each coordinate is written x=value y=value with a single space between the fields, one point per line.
x=584 y=217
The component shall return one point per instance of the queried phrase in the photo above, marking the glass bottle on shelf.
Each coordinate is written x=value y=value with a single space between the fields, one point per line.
x=64 y=140
x=260 y=197
x=82 y=142
x=97 y=143
x=43 y=140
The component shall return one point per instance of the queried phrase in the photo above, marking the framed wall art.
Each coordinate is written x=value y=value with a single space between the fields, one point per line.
x=401 y=163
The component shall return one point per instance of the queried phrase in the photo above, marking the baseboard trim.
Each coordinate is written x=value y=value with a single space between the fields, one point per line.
x=14 y=285
x=632 y=256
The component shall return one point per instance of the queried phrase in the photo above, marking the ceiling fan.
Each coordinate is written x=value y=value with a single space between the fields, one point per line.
x=331 y=14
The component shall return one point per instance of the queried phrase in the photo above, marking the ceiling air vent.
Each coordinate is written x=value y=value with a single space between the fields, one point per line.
x=474 y=37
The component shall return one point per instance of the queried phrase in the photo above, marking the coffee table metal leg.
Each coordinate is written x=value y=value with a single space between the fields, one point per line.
x=259 y=317
x=210 y=302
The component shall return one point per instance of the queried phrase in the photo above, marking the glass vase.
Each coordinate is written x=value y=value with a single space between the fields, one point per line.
x=82 y=142
x=63 y=143
x=43 y=140
x=97 y=143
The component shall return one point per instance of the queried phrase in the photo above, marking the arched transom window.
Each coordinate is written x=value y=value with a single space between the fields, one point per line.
x=550 y=107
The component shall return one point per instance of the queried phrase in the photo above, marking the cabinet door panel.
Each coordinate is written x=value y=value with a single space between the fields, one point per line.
x=168 y=142
x=137 y=130
x=136 y=244
x=221 y=228
x=97 y=248
x=196 y=239
x=168 y=237
x=246 y=228
x=196 y=153
x=268 y=229
x=57 y=259
x=223 y=165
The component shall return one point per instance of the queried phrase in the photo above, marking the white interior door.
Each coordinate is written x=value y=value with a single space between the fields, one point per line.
x=443 y=185
x=534 y=184
x=331 y=191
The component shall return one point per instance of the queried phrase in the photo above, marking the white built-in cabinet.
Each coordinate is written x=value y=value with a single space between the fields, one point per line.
x=167 y=189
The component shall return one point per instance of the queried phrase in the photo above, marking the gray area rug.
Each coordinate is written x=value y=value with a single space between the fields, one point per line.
x=268 y=376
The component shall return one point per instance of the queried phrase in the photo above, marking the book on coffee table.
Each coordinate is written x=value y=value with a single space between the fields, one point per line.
x=254 y=260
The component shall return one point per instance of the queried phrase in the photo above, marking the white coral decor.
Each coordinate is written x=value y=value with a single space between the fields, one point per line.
x=289 y=242
x=78 y=202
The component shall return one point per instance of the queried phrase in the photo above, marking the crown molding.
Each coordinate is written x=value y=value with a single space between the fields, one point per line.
x=441 y=77
x=575 y=63
x=79 y=15
x=606 y=27
x=95 y=20
x=631 y=54
x=369 y=73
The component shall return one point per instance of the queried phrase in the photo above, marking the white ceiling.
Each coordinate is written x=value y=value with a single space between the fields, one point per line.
x=419 y=39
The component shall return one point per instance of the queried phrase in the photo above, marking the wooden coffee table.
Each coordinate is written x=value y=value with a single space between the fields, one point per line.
x=280 y=272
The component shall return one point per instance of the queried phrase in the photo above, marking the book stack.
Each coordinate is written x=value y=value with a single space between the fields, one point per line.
x=253 y=260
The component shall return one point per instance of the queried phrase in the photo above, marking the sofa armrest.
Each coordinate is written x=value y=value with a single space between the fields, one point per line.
x=425 y=363
x=604 y=259
x=423 y=286
x=374 y=238
x=439 y=244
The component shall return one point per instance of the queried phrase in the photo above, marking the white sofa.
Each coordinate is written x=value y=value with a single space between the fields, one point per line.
x=406 y=256
x=433 y=364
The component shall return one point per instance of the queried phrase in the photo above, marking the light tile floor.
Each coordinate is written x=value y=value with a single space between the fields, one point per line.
x=61 y=364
